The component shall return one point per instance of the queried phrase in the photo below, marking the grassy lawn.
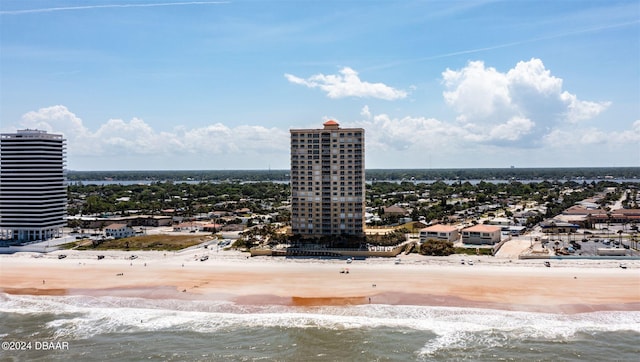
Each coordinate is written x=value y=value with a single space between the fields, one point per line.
x=472 y=251
x=143 y=242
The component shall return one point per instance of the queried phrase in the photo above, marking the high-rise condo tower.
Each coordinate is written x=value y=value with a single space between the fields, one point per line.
x=33 y=187
x=327 y=181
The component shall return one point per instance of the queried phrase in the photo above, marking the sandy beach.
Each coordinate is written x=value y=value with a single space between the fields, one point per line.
x=497 y=283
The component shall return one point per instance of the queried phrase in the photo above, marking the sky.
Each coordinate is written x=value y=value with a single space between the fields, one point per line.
x=217 y=85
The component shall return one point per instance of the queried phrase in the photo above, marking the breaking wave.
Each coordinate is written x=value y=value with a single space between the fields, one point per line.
x=81 y=317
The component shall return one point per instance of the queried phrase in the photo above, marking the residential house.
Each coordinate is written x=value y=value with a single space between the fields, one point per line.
x=394 y=210
x=481 y=234
x=439 y=232
x=119 y=231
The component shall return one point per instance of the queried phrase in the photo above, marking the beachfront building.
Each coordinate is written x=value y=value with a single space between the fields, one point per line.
x=33 y=187
x=118 y=231
x=190 y=226
x=327 y=181
x=558 y=227
x=439 y=232
x=481 y=234
x=92 y=222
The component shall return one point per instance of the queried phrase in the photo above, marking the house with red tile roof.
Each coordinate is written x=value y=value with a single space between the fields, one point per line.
x=481 y=234
x=439 y=232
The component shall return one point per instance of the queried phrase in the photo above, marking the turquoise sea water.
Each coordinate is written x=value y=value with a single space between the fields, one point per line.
x=135 y=329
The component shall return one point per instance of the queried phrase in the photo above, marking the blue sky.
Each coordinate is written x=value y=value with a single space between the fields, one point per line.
x=137 y=85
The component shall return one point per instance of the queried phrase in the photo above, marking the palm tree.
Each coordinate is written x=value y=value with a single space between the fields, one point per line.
x=620 y=236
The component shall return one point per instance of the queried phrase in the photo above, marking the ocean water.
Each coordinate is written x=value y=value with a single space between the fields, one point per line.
x=84 y=328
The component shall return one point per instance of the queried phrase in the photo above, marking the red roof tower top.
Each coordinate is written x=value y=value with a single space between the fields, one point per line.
x=331 y=124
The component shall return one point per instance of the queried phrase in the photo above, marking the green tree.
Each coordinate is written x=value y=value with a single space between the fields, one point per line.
x=437 y=247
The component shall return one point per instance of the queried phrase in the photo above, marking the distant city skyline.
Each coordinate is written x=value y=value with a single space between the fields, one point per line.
x=196 y=85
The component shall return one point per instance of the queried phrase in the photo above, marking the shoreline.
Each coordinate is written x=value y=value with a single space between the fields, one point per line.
x=502 y=284
x=398 y=299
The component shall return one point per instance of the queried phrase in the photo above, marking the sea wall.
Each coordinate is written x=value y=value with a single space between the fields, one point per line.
x=385 y=252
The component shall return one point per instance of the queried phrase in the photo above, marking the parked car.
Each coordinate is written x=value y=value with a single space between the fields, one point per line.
x=62 y=256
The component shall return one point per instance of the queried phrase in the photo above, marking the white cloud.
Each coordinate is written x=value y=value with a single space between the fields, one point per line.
x=119 y=138
x=580 y=110
x=365 y=112
x=503 y=118
x=497 y=104
x=348 y=84
x=632 y=135
x=392 y=142
x=414 y=142
x=59 y=119
x=593 y=136
x=512 y=130
x=532 y=74
x=476 y=91
x=385 y=133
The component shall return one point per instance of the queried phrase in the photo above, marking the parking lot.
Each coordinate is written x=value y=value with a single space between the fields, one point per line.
x=588 y=247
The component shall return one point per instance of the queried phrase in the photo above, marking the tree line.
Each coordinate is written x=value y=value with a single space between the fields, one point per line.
x=429 y=201
x=589 y=173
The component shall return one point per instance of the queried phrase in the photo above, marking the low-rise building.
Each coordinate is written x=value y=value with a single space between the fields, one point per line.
x=516 y=230
x=481 y=234
x=92 y=222
x=119 y=231
x=394 y=210
x=439 y=231
x=620 y=216
x=189 y=226
x=558 y=227
x=501 y=221
x=611 y=252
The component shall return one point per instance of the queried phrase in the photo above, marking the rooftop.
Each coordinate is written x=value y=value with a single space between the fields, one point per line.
x=483 y=228
x=331 y=124
x=440 y=228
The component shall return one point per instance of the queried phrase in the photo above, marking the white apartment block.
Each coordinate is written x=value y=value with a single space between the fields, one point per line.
x=33 y=187
x=327 y=181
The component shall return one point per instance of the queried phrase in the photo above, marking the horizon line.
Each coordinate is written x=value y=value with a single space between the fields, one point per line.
x=401 y=168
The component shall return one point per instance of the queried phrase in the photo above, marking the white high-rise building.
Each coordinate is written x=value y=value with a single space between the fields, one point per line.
x=327 y=181
x=33 y=186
